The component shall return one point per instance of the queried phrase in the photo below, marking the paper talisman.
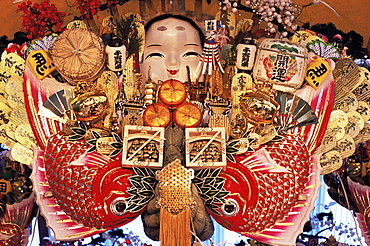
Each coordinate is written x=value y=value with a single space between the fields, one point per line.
x=241 y=82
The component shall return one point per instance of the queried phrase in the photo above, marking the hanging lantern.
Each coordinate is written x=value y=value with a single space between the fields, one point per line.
x=116 y=55
x=246 y=53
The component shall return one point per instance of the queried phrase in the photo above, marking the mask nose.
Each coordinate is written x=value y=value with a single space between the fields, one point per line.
x=173 y=59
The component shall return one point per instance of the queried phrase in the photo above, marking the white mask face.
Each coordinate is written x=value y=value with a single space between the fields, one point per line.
x=171 y=45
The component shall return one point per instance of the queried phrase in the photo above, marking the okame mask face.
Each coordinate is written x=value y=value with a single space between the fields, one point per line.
x=170 y=46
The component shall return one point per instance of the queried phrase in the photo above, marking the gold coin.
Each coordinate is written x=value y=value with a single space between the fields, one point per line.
x=355 y=123
x=24 y=135
x=338 y=117
x=328 y=142
x=364 y=134
x=362 y=91
x=13 y=63
x=16 y=100
x=337 y=131
x=347 y=103
x=14 y=86
x=10 y=129
x=364 y=110
x=5 y=74
x=5 y=139
x=22 y=154
x=4 y=98
x=4 y=113
x=346 y=146
x=330 y=162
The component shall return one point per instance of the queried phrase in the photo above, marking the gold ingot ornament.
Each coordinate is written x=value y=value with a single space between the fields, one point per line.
x=259 y=105
x=90 y=106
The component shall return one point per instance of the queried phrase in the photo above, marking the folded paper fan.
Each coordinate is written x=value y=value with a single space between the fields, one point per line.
x=59 y=102
x=293 y=112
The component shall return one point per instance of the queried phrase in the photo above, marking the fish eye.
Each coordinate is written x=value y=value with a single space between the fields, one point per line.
x=118 y=206
x=230 y=208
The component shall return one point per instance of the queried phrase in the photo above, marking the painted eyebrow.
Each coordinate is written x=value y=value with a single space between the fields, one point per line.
x=191 y=44
x=154 y=45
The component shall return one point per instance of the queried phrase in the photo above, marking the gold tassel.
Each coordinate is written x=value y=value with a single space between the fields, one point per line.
x=174 y=230
x=175 y=201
